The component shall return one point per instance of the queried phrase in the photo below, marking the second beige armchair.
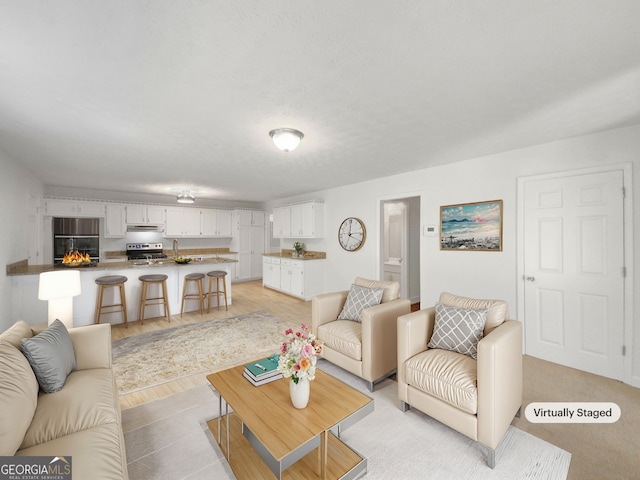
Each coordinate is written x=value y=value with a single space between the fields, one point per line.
x=476 y=392
x=366 y=348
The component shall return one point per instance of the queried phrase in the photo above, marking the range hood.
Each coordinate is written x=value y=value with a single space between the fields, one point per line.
x=145 y=228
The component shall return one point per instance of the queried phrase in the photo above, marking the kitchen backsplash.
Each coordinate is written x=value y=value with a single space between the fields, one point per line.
x=119 y=244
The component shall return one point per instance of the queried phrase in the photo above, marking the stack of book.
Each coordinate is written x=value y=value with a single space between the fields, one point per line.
x=261 y=372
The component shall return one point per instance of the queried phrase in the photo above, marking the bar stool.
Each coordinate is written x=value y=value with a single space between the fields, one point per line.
x=218 y=276
x=148 y=280
x=109 y=281
x=193 y=277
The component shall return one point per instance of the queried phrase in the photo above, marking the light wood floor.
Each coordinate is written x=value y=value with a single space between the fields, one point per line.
x=248 y=297
x=598 y=450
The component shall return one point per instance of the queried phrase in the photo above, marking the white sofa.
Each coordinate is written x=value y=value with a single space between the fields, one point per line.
x=81 y=421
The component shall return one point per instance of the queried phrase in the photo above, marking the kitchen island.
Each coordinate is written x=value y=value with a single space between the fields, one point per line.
x=27 y=306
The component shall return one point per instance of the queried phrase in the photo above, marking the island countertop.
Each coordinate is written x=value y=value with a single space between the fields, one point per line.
x=22 y=268
x=27 y=306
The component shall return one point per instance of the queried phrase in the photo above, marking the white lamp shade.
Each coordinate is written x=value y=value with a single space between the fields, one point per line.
x=286 y=139
x=59 y=284
x=59 y=288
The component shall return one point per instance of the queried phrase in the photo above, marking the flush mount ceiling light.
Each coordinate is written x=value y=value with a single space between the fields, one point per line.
x=186 y=197
x=286 y=139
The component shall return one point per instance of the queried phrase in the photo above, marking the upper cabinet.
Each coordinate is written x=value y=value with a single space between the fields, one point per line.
x=114 y=221
x=145 y=215
x=177 y=221
x=216 y=223
x=250 y=218
x=302 y=220
x=193 y=222
x=282 y=222
x=73 y=208
x=182 y=222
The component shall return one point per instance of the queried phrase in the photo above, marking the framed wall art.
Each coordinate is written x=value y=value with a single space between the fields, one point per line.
x=471 y=226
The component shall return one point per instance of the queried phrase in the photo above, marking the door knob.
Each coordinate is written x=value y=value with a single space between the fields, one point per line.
x=531 y=279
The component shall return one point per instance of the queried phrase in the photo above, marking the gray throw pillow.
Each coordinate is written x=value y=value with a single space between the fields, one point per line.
x=458 y=330
x=358 y=299
x=51 y=356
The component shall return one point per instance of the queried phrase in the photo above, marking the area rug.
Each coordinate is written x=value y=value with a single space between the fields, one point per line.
x=168 y=438
x=152 y=358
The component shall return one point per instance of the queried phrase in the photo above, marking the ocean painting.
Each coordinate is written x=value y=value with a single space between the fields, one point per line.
x=471 y=226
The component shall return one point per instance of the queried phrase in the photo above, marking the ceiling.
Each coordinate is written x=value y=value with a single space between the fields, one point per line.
x=154 y=96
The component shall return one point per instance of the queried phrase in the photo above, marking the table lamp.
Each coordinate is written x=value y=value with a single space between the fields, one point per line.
x=59 y=288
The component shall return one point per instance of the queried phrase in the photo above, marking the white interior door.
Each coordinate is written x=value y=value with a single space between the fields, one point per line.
x=395 y=244
x=573 y=271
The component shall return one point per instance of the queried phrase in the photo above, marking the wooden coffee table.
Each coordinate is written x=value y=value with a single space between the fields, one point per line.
x=265 y=433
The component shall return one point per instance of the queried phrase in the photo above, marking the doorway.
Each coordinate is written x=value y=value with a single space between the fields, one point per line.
x=400 y=245
x=572 y=275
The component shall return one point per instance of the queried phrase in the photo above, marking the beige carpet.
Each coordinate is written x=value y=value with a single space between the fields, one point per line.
x=168 y=439
x=152 y=358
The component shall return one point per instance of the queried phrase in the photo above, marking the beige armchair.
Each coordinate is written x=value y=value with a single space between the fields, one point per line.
x=477 y=397
x=367 y=348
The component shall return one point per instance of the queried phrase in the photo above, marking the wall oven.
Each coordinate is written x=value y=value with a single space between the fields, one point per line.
x=71 y=234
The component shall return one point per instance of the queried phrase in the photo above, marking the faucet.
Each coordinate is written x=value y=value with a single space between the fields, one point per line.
x=175 y=248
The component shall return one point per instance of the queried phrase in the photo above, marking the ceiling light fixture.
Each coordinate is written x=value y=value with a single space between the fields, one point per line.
x=286 y=139
x=186 y=197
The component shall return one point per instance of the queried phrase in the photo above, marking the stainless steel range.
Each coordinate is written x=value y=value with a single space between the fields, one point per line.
x=144 y=251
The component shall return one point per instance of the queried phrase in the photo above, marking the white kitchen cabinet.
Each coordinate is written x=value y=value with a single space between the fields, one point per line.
x=248 y=241
x=208 y=223
x=216 y=223
x=195 y=223
x=285 y=275
x=73 y=208
x=271 y=272
x=182 y=222
x=282 y=222
x=300 y=278
x=191 y=222
x=303 y=220
x=296 y=281
x=292 y=277
x=145 y=215
x=115 y=221
x=250 y=218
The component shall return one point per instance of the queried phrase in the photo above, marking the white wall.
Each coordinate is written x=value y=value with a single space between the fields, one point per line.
x=476 y=274
x=16 y=185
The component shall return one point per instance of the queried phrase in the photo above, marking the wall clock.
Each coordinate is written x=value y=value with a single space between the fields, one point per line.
x=352 y=234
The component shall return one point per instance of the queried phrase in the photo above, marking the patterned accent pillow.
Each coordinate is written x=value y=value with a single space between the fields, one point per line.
x=458 y=330
x=358 y=299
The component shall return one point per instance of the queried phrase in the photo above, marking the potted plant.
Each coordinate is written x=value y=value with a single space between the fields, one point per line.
x=298 y=247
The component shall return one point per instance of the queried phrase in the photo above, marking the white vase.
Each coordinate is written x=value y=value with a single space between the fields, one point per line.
x=299 y=392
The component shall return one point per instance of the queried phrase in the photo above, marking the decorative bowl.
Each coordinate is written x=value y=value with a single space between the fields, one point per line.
x=182 y=260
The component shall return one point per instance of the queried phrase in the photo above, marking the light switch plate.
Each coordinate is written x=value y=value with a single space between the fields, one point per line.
x=430 y=231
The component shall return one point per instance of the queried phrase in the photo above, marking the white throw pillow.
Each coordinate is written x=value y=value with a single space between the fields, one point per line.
x=458 y=330
x=358 y=299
